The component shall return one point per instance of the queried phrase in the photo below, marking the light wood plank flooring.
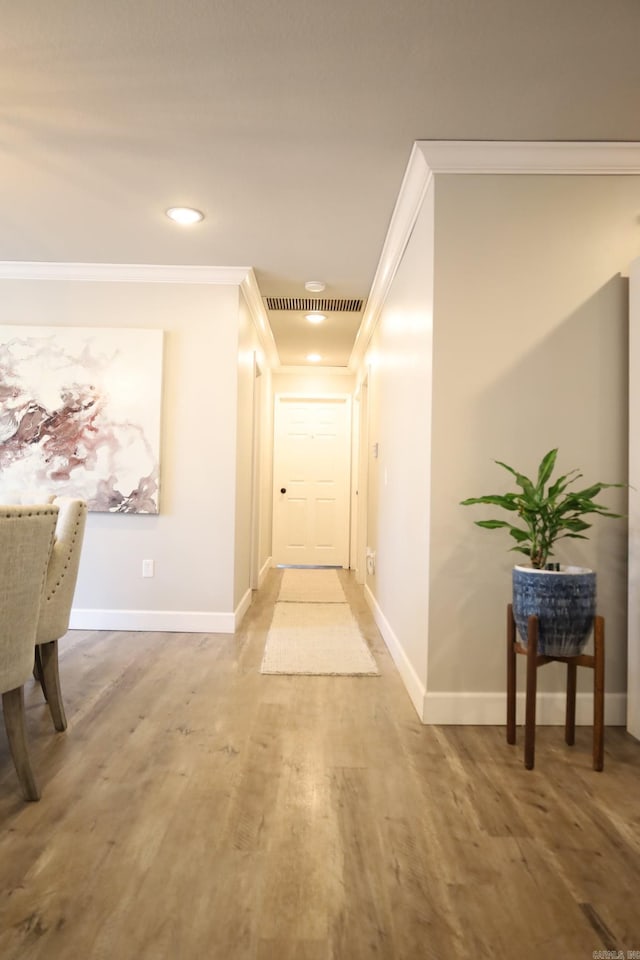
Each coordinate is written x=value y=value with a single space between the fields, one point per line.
x=196 y=810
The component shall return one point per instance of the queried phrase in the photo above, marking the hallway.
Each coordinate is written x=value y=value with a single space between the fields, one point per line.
x=198 y=810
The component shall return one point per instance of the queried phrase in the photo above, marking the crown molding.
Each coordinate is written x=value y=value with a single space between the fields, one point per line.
x=255 y=305
x=432 y=157
x=520 y=156
x=242 y=277
x=121 y=272
x=415 y=184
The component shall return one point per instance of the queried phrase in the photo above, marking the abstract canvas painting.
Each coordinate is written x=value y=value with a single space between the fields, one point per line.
x=80 y=415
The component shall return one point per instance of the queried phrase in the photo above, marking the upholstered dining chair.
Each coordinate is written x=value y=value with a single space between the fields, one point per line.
x=55 y=608
x=26 y=540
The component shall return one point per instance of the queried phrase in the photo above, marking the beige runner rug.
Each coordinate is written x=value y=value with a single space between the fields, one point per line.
x=311 y=586
x=316 y=639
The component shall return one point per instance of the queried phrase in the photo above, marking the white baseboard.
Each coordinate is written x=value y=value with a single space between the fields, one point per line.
x=490 y=708
x=412 y=682
x=264 y=570
x=451 y=708
x=241 y=609
x=170 y=621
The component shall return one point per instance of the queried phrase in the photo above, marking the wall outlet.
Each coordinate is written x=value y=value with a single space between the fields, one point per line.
x=147 y=568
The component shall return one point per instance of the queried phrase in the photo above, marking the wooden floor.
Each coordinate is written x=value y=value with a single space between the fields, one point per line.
x=197 y=810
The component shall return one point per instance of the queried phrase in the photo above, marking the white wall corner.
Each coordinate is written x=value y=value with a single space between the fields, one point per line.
x=414 y=686
x=489 y=709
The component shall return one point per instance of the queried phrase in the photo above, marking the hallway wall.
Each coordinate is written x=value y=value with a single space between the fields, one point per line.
x=526 y=278
x=192 y=540
x=249 y=353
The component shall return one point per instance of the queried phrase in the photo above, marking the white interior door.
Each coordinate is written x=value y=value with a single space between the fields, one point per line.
x=311 y=470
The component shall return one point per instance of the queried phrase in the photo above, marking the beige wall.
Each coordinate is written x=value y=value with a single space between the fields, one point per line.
x=530 y=352
x=192 y=540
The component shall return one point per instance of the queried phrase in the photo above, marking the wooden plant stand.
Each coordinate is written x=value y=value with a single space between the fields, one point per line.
x=534 y=660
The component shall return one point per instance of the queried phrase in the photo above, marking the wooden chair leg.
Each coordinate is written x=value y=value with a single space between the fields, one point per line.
x=36 y=666
x=14 y=721
x=570 y=716
x=598 y=694
x=51 y=683
x=530 y=711
x=511 y=676
x=37 y=671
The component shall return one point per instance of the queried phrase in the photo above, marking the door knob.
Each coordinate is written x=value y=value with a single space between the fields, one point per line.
x=283 y=489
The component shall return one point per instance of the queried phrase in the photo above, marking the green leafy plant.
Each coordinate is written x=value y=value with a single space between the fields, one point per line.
x=545 y=515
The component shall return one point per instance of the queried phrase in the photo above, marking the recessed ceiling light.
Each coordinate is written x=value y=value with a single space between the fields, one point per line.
x=315 y=317
x=313 y=357
x=314 y=286
x=184 y=215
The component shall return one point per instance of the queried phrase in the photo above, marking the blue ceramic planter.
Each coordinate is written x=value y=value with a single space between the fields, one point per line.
x=564 y=602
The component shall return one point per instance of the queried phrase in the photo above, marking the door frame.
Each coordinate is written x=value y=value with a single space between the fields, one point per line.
x=256 y=445
x=361 y=480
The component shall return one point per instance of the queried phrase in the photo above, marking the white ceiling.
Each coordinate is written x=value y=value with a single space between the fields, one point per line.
x=289 y=122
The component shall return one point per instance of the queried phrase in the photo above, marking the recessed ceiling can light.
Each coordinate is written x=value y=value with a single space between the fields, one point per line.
x=315 y=317
x=313 y=357
x=184 y=215
x=314 y=286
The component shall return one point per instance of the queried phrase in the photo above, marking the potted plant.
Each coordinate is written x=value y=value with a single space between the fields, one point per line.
x=562 y=597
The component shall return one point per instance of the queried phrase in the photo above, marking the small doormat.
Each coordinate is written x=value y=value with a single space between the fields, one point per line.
x=316 y=639
x=311 y=586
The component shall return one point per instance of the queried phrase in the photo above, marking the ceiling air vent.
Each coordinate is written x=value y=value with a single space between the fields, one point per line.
x=326 y=304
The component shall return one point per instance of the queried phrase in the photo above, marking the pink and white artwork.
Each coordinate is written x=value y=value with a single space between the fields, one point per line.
x=80 y=415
